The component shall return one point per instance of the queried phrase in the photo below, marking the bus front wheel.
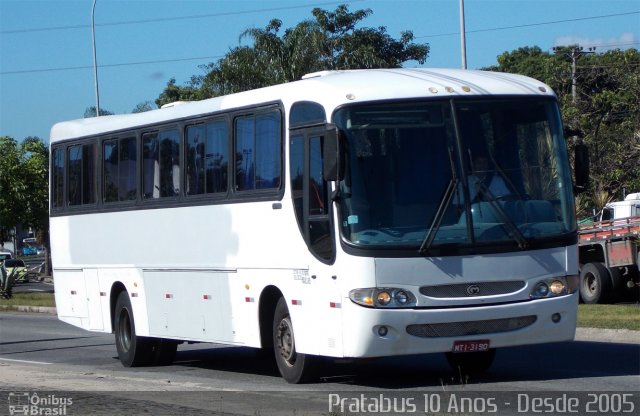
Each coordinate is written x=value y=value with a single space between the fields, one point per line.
x=133 y=351
x=293 y=366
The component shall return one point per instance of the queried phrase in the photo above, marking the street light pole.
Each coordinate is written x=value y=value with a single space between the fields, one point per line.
x=463 y=37
x=95 y=64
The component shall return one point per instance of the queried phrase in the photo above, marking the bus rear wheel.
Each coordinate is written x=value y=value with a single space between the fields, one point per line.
x=133 y=351
x=293 y=366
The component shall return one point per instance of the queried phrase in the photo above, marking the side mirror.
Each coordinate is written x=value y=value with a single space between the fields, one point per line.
x=581 y=167
x=333 y=154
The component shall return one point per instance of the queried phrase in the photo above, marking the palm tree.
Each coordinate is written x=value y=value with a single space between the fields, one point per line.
x=329 y=41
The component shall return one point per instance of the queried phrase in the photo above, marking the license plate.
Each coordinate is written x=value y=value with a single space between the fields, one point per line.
x=471 y=346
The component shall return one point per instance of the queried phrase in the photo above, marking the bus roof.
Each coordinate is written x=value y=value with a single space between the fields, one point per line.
x=330 y=89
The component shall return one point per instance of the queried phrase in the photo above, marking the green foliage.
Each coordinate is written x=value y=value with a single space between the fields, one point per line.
x=609 y=316
x=329 y=41
x=10 y=189
x=91 y=112
x=173 y=92
x=605 y=113
x=21 y=299
x=24 y=175
x=142 y=107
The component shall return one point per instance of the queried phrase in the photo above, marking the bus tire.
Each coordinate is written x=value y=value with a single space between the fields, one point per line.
x=595 y=283
x=471 y=363
x=293 y=366
x=133 y=351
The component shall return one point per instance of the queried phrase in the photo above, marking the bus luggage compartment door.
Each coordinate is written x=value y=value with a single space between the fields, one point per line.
x=71 y=296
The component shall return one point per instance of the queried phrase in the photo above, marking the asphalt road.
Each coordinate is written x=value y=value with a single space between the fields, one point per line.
x=33 y=286
x=40 y=354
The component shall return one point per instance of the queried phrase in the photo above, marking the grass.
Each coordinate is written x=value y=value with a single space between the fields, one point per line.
x=29 y=299
x=610 y=316
x=589 y=316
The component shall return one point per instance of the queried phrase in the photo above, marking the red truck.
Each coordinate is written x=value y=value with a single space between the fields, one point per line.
x=608 y=251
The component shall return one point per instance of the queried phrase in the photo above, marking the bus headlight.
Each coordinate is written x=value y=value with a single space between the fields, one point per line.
x=557 y=287
x=541 y=290
x=383 y=297
x=552 y=287
x=401 y=297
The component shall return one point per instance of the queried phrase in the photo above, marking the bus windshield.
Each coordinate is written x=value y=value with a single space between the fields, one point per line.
x=429 y=175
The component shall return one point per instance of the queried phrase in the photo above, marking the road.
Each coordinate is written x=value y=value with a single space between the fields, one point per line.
x=38 y=353
x=33 y=286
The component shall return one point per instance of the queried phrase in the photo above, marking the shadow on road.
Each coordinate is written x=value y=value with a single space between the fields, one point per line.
x=567 y=360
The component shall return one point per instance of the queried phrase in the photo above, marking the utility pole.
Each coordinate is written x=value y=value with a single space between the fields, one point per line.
x=95 y=64
x=463 y=37
x=574 y=54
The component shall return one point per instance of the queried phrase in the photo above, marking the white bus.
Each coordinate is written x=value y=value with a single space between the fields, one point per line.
x=328 y=217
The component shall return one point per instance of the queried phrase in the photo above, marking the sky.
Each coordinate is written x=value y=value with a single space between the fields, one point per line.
x=46 y=54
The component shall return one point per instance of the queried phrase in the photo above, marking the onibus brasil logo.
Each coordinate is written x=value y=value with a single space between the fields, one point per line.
x=25 y=403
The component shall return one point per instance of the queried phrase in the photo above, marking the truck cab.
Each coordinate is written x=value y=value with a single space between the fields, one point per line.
x=630 y=207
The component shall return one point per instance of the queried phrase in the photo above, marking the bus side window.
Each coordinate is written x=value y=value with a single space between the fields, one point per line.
x=81 y=175
x=310 y=194
x=119 y=170
x=320 y=239
x=258 y=150
x=207 y=158
x=150 y=166
x=161 y=164
x=195 y=159
x=245 y=143
x=57 y=179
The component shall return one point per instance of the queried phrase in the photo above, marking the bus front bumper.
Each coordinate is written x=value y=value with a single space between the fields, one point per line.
x=373 y=332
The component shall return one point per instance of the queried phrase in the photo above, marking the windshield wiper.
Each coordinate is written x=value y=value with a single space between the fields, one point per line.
x=442 y=208
x=437 y=220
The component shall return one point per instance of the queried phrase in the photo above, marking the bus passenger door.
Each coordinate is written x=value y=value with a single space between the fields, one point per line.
x=312 y=204
x=311 y=193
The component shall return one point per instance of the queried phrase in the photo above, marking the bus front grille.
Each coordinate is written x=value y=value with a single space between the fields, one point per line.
x=465 y=290
x=457 y=329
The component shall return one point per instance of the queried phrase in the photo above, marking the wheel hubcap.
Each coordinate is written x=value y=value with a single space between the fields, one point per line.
x=286 y=344
x=590 y=283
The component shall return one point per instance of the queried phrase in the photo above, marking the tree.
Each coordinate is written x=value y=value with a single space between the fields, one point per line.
x=12 y=191
x=605 y=114
x=535 y=63
x=330 y=41
x=608 y=113
x=173 y=92
x=142 y=107
x=349 y=48
x=91 y=112
x=24 y=175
